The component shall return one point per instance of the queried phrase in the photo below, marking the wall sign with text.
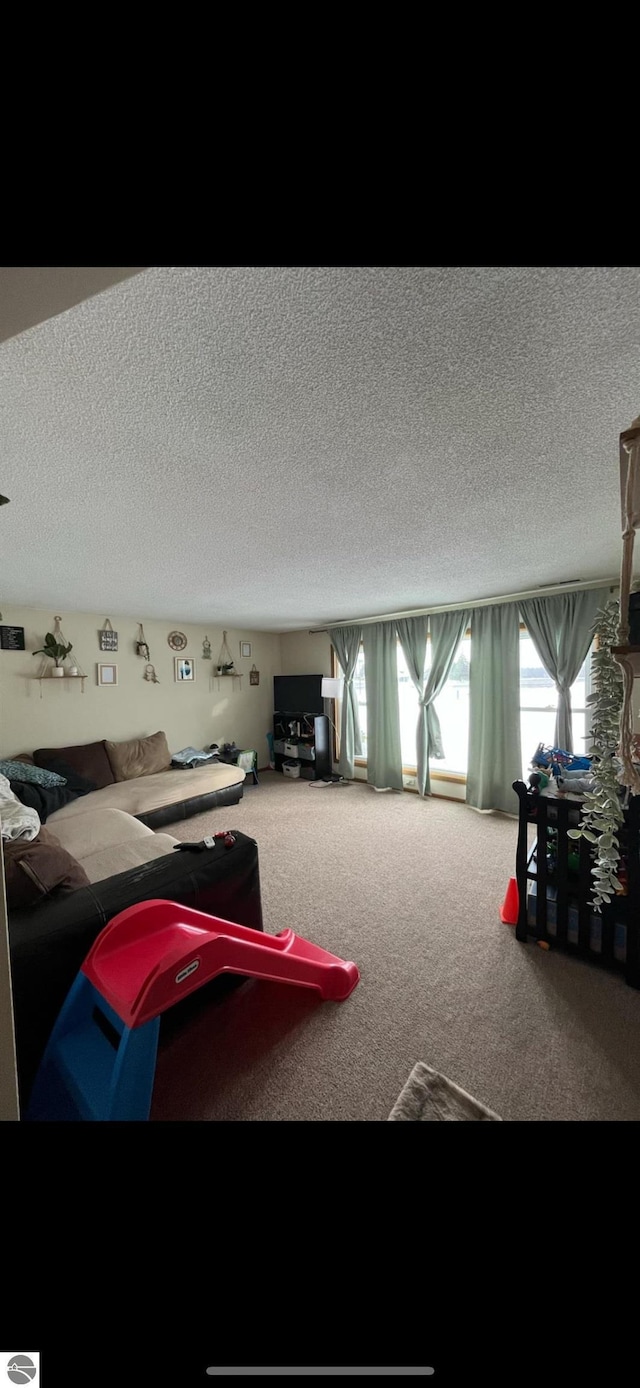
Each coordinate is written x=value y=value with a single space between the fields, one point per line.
x=11 y=638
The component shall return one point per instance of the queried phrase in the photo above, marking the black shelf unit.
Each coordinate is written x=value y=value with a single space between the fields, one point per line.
x=310 y=737
x=572 y=889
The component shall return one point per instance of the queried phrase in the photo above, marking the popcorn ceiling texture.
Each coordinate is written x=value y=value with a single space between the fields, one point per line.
x=274 y=448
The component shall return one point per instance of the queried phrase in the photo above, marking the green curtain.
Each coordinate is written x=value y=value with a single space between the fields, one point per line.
x=560 y=627
x=384 y=756
x=447 y=630
x=495 y=755
x=346 y=644
x=412 y=633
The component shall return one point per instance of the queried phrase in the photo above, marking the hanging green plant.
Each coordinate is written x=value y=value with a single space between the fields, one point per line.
x=602 y=808
x=55 y=649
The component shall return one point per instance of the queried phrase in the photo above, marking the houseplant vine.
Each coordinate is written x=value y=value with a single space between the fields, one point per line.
x=602 y=807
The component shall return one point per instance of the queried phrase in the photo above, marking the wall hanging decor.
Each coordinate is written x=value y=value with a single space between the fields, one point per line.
x=57 y=649
x=224 y=663
x=11 y=638
x=225 y=668
x=177 y=640
x=245 y=650
x=108 y=637
x=141 y=645
x=206 y=649
x=150 y=674
x=184 y=669
x=107 y=674
x=254 y=675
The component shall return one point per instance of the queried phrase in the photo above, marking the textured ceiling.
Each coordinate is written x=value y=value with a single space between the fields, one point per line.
x=275 y=448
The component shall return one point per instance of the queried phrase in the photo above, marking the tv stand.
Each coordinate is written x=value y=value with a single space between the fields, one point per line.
x=306 y=738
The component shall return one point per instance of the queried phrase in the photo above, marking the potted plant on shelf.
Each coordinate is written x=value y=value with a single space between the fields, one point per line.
x=56 y=650
x=226 y=669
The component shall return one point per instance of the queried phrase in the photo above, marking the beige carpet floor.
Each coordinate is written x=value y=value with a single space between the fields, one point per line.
x=410 y=889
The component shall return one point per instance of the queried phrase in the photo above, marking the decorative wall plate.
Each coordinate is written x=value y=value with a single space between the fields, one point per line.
x=177 y=640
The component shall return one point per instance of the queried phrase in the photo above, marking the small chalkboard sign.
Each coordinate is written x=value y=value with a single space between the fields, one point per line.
x=11 y=638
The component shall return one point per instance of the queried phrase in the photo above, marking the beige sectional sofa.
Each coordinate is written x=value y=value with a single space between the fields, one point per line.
x=160 y=798
x=137 y=777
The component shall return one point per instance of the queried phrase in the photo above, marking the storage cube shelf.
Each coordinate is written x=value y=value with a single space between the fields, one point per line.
x=555 y=903
x=309 y=747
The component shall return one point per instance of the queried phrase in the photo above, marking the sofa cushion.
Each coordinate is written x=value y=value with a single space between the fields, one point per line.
x=80 y=785
x=147 y=794
x=107 y=842
x=83 y=834
x=109 y=862
x=90 y=761
x=37 y=869
x=35 y=775
x=141 y=756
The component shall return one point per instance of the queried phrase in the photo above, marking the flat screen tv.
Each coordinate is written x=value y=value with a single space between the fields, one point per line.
x=297 y=694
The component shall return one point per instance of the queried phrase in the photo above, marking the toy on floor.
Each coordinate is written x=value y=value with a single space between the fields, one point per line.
x=99 y=1064
x=556 y=760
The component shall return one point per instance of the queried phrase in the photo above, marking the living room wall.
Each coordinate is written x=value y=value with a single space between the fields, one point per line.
x=57 y=712
x=305 y=653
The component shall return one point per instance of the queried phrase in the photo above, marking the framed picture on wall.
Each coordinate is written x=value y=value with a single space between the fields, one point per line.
x=245 y=650
x=184 y=669
x=107 y=674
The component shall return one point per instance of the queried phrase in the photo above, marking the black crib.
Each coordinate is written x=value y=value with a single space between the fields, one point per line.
x=563 y=916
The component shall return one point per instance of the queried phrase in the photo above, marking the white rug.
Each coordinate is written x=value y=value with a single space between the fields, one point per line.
x=430 y=1097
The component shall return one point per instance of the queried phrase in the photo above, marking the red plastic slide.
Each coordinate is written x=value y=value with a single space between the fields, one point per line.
x=154 y=954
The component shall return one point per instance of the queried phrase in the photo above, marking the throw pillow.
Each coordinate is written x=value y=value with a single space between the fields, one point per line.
x=142 y=756
x=36 y=775
x=90 y=761
x=45 y=800
x=80 y=785
x=38 y=869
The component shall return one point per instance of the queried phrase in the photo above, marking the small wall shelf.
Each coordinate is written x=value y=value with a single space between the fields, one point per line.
x=67 y=665
x=232 y=675
x=225 y=658
x=59 y=679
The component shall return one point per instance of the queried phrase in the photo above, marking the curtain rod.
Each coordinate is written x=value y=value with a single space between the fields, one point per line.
x=570 y=587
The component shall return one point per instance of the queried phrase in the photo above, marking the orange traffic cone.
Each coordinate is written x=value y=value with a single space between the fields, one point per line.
x=511 y=905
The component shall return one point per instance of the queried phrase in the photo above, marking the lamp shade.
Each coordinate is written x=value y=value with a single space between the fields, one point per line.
x=331 y=689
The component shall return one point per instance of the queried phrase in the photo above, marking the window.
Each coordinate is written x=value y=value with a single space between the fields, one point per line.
x=452 y=706
x=538 y=707
x=539 y=703
x=361 y=695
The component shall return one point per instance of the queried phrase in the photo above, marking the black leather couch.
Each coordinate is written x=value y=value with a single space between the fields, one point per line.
x=49 y=942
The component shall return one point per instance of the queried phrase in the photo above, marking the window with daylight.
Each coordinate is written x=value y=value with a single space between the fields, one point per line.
x=538 y=708
x=539 y=704
x=452 y=706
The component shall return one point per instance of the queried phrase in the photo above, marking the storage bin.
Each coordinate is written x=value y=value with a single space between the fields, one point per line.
x=595 y=924
x=278 y=745
x=292 y=769
x=306 y=752
x=290 y=749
